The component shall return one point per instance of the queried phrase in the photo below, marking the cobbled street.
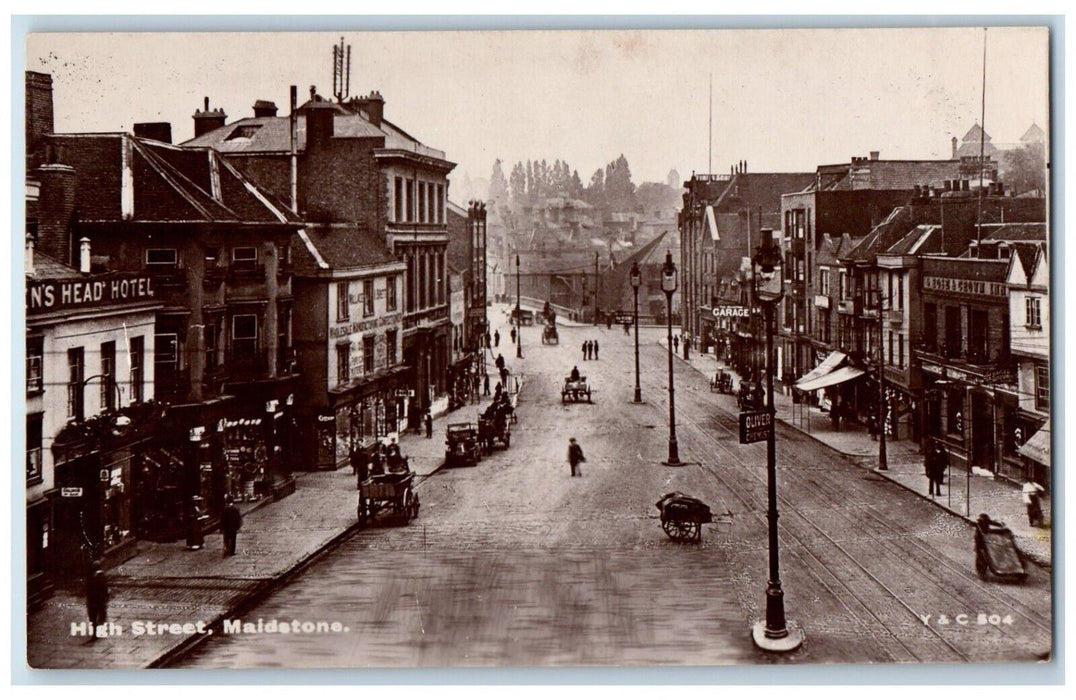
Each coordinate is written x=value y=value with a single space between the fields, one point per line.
x=513 y=562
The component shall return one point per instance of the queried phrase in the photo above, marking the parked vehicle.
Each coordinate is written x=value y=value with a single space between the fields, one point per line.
x=462 y=444
x=525 y=317
x=550 y=335
x=682 y=517
x=721 y=383
x=996 y=552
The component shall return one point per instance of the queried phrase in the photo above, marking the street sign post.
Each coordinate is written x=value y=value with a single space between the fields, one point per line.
x=755 y=426
x=71 y=492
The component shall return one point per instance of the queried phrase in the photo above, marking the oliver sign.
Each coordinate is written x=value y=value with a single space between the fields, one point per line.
x=755 y=426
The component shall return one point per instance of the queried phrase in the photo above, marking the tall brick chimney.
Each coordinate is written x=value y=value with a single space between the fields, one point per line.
x=55 y=211
x=207 y=119
x=375 y=108
x=954 y=148
x=39 y=120
x=319 y=119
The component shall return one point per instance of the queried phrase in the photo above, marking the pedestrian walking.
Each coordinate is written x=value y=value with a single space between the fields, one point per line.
x=609 y=322
x=496 y=339
x=485 y=384
x=594 y=347
x=676 y=343
x=687 y=347
x=513 y=334
x=487 y=339
x=1032 y=495
x=96 y=596
x=230 y=522
x=626 y=326
x=504 y=376
x=575 y=457
x=941 y=466
x=586 y=349
x=428 y=420
x=499 y=362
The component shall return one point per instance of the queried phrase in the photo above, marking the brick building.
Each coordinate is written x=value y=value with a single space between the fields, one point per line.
x=344 y=163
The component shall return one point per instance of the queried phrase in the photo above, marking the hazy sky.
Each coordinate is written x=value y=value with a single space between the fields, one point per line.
x=784 y=100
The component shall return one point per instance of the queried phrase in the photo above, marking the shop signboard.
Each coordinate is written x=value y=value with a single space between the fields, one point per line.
x=71 y=492
x=755 y=426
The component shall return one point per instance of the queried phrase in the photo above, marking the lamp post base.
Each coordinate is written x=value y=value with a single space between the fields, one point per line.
x=638 y=397
x=783 y=641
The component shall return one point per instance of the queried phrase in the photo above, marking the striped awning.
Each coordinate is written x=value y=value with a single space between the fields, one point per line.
x=837 y=376
x=1037 y=447
x=829 y=364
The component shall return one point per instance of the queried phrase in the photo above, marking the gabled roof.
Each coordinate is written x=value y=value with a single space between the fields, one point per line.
x=338 y=247
x=976 y=134
x=915 y=241
x=753 y=190
x=121 y=177
x=1035 y=231
x=1034 y=134
x=886 y=234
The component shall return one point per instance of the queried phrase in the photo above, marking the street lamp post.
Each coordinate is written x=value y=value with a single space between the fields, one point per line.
x=774 y=633
x=636 y=282
x=668 y=285
x=883 y=461
x=519 y=316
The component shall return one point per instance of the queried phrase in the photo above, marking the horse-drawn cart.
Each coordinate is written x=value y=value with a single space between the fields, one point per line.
x=392 y=491
x=575 y=390
x=549 y=335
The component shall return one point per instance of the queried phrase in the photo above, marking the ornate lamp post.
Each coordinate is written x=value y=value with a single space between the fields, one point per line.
x=883 y=462
x=668 y=285
x=636 y=282
x=774 y=633
x=519 y=316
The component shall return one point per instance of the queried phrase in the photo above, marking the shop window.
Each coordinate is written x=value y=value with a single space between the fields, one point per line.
x=162 y=257
x=343 y=363
x=823 y=282
x=35 y=350
x=166 y=351
x=211 y=345
x=34 y=423
x=930 y=327
x=137 y=378
x=1033 y=311
x=423 y=203
x=390 y=348
x=1042 y=388
x=75 y=395
x=342 y=311
x=368 y=354
x=390 y=293
x=244 y=334
x=108 y=380
x=367 y=297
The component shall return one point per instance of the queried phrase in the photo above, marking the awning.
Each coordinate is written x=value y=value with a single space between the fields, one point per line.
x=1037 y=447
x=841 y=374
x=831 y=362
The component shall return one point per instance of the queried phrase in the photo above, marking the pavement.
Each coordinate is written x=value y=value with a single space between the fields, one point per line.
x=166 y=582
x=964 y=494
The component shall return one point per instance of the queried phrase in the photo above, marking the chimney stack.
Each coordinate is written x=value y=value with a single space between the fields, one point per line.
x=29 y=259
x=319 y=120
x=875 y=154
x=55 y=210
x=264 y=108
x=39 y=119
x=207 y=119
x=375 y=108
x=84 y=255
x=157 y=131
x=954 y=148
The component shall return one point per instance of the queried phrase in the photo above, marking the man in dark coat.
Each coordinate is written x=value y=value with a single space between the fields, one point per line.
x=428 y=420
x=96 y=596
x=575 y=457
x=594 y=348
x=496 y=339
x=230 y=522
x=485 y=384
x=941 y=466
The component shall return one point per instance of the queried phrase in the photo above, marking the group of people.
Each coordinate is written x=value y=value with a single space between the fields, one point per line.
x=590 y=349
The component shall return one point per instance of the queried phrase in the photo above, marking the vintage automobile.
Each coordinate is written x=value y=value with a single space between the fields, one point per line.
x=525 y=317
x=575 y=390
x=462 y=444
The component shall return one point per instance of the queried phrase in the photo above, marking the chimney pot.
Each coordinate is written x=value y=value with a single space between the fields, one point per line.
x=264 y=108
x=207 y=103
x=84 y=255
x=875 y=154
x=29 y=253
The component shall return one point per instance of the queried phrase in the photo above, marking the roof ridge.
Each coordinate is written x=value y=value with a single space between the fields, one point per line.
x=176 y=179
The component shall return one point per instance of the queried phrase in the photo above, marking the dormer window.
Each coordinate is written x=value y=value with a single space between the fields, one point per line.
x=162 y=257
x=243 y=131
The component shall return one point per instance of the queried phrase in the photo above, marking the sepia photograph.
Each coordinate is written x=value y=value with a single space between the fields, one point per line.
x=543 y=348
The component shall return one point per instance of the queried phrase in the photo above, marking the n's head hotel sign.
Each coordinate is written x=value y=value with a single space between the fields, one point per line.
x=56 y=294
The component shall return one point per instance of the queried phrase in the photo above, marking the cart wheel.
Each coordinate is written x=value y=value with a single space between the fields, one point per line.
x=507 y=440
x=588 y=396
x=680 y=530
x=408 y=505
x=980 y=565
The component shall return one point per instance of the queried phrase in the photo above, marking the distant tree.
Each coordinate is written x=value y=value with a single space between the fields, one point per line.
x=517 y=183
x=575 y=185
x=619 y=189
x=498 y=185
x=594 y=194
x=532 y=188
x=1025 y=168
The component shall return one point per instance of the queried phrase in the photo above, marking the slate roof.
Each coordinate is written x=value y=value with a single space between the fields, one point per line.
x=340 y=247
x=916 y=241
x=882 y=237
x=270 y=134
x=754 y=190
x=49 y=268
x=169 y=184
x=1014 y=232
